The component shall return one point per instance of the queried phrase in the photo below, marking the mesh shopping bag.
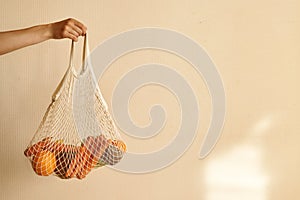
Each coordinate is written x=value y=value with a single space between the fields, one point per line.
x=77 y=132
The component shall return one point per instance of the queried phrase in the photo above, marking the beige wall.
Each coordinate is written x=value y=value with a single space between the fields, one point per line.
x=255 y=45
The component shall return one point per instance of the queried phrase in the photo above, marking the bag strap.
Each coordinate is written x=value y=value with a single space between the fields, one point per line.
x=85 y=57
x=85 y=62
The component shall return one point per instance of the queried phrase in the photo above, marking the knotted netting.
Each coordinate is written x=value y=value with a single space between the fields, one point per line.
x=77 y=132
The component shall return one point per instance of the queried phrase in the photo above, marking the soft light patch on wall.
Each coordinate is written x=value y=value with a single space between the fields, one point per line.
x=239 y=174
x=262 y=125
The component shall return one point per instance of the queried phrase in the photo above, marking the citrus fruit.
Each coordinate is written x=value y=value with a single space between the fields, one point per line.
x=44 y=163
x=120 y=144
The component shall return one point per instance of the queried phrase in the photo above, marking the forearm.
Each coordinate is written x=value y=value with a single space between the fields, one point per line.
x=13 y=40
x=68 y=28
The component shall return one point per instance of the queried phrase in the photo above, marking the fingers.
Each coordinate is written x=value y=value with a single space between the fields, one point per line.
x=72 y=33
x=80 y=26
x=74 y=29
x=69 y=28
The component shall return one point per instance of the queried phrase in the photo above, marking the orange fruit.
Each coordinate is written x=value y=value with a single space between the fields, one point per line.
x=44 y=163
x=37 y=147
x=56 y=147
x=120 y=144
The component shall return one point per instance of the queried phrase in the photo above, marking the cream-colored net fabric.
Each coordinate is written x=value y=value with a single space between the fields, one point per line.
x=77 y=132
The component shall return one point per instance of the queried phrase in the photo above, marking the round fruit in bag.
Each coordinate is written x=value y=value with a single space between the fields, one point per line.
x=120 y=144
x=44 y=163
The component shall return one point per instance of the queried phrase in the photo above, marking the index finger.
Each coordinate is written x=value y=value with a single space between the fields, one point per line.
x=81 y=26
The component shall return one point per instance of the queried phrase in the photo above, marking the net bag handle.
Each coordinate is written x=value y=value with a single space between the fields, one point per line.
x=87 y=65
x=86 y=62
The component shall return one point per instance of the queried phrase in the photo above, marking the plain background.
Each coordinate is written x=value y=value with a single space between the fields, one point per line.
x=255 y=45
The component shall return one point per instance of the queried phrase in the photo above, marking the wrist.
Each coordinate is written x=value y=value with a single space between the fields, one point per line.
x=48 y=33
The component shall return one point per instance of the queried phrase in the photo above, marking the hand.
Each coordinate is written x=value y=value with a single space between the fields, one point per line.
x=68 y=28
x=16 y=39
